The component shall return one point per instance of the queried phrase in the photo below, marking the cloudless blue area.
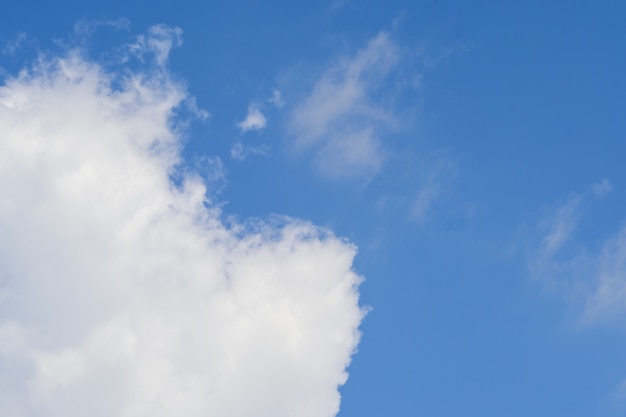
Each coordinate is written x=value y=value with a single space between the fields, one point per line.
x=526 y=100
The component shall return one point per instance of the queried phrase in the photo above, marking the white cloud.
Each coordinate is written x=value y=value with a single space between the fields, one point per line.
x=435 y=172
x=593 y=279
x=352 y=154
x=607 y=300
x=337 y=5
x=561 y=225
x=240 y=152
x=157 y=43
x=561 y=220
x=602 y=188
x=343 y=117
x=192 y=106
x=422 y=204
x=277 y=99
x=86 y=27
x=237 y=151
x=123 y=294
x=255 y=120
x=16 y=43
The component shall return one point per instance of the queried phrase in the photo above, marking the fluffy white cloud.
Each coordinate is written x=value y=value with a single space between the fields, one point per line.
x=123 y=293
x=255 y=120
x=343 y=116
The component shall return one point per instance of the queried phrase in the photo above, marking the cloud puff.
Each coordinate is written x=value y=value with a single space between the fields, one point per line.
x=123 y=293
x=594 y=279
x=276 y=99
x=343 y=116
x=157 y=43
x=255 y=120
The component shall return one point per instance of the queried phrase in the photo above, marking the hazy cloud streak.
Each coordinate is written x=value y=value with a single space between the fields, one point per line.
x=342 y=119
x=595 y=280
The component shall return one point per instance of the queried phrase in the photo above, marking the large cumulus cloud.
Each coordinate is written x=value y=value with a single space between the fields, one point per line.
x=123 y=292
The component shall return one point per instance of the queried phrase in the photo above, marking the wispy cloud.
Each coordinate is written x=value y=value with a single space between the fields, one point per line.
x=86 y=27
x=602 y=188
x=608 y=298
x=158 y=43
x=277 y=98
x=124 y=292
x=424 y=200
x=11 y=46
x=255 y=119
x=432 y=179
x=240 y=151
x=618 y=395
x=337 y=5
x=562 y=222
x=344 y=116
x=593 y=279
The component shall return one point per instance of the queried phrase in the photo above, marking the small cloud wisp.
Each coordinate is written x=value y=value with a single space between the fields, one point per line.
x=255 y=119
x=341 y=119
x=595 y=280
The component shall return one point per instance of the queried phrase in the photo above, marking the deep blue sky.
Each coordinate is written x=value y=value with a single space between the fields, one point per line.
x=520 y=107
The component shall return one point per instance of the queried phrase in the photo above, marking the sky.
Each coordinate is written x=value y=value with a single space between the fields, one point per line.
x=312 y=209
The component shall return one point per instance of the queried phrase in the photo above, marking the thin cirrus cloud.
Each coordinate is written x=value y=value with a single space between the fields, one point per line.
x=86 y=27
x=435 y=172
x=123 y=293
x=240 y=152
x=13 y=45
x=342 y=118
x=594 y=279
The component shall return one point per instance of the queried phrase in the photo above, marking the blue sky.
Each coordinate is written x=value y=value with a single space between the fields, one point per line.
x=472 y=151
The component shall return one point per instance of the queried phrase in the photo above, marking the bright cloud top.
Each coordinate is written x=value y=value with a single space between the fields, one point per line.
x=255 y=120
x=343 y=116
x=124 y=294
